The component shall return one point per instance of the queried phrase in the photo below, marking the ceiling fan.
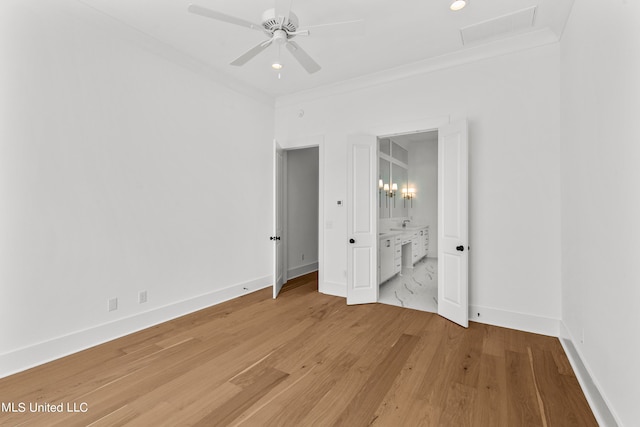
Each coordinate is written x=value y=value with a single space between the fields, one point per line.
x=280 y=24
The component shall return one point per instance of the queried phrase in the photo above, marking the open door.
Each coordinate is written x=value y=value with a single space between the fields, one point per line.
x=453 y=218
x=362 y=248
x=278 y=211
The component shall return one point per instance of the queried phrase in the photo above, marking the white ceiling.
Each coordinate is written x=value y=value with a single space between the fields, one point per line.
x=397 y=33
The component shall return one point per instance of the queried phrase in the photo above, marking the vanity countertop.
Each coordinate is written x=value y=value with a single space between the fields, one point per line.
x=399 y=231
x=409 y=228
x=389 y=234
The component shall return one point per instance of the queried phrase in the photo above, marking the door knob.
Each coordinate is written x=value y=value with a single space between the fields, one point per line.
x=352 y=240
x=460 y=248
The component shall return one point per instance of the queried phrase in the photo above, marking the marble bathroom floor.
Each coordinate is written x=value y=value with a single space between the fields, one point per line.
x=417 y=288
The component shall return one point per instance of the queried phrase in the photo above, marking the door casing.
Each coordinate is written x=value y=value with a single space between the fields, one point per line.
x=308 y=142
x=419 y=126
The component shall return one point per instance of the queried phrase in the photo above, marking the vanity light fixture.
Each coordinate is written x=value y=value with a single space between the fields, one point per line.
x=409 y=193
x=389 y=191
x=458 y=4
x=394 y=188
x=385 y=188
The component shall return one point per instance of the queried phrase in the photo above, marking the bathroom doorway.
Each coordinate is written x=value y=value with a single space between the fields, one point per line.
x=363 y=186
x=408 y=220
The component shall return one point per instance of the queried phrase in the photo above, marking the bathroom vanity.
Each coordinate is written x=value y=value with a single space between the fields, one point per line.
x=401 y=248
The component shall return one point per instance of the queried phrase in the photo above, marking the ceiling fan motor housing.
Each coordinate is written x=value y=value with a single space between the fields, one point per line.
x=271 y=22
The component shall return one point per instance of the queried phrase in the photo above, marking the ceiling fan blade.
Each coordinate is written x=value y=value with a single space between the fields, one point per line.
x=337 y=29
x=303 y=57
x=219 y=16
x=248 y=55
x=283 y=8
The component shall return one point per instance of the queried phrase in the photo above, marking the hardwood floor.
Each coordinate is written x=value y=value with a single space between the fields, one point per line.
x=306 y=359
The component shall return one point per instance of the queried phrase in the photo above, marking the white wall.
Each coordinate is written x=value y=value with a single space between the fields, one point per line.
x=423 y=176
x=512 y=103
x=117 y=174
x=600 y=197
x=302 y=211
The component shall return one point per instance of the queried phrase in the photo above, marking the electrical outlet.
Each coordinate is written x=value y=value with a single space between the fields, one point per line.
x=303 y=257
x=142 y=297
x=113 y=304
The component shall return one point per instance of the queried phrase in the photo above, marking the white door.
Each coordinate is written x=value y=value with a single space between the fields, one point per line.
x=362 y=248
x=278 y=212
x=453 y=217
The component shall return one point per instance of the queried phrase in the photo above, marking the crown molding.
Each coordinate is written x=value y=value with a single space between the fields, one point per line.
x=473 y=53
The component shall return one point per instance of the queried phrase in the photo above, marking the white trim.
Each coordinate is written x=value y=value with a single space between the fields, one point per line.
x=302 y=270
x=308 y=142
x=37 y=354
x=332 y=288
x=599 y=404
x=514 y=320
x=423 y=124
x=285 y=213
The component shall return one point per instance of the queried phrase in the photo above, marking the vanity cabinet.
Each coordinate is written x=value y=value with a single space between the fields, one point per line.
x=389 y=258
x=386 y=251
x=419 y=245
x=416 y=247
x=401 y=248
x=398 y=256
x=423 y=243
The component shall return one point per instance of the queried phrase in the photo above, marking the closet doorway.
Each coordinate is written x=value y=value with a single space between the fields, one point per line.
x=301 y=211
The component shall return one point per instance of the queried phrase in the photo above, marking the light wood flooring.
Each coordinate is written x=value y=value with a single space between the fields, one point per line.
x=307 y=359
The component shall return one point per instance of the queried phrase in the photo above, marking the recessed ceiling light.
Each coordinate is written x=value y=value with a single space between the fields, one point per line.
x=276 y=66
x=458 y=4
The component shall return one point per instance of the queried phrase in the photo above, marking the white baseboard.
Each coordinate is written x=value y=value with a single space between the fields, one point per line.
x=37 y=354
x=598 y=403
x=513 y=320
x=331 y=288
x=302 y=270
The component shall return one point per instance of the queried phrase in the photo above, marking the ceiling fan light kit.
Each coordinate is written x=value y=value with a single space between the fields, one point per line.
x=280 y=25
